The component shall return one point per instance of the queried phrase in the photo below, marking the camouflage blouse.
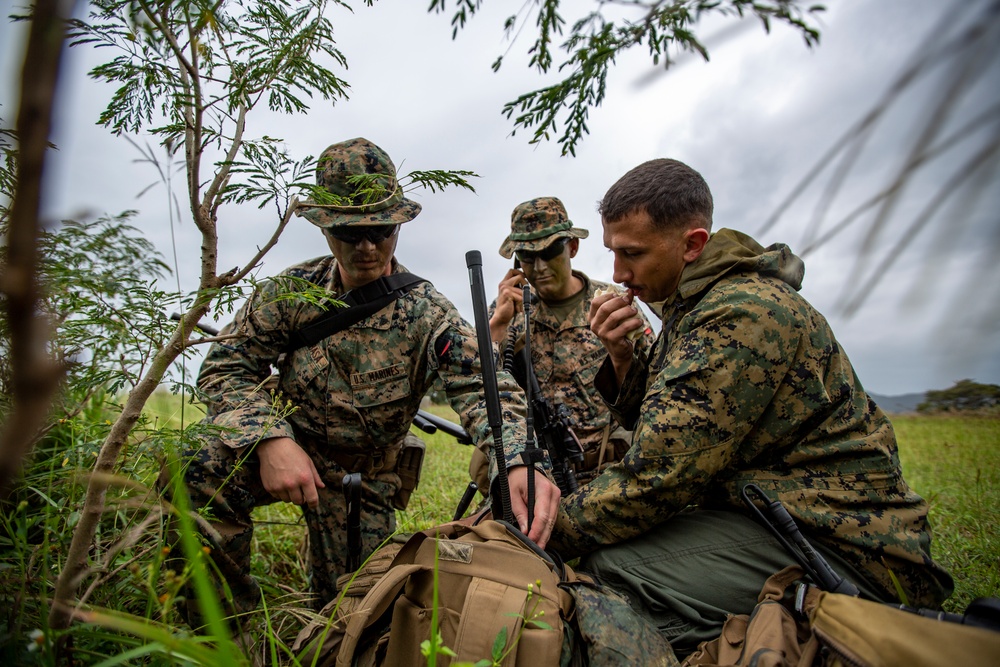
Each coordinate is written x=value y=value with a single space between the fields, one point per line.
x=566 y=355
x=748 y=384
x=357 y=391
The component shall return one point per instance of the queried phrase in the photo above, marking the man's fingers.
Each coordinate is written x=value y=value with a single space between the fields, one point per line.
x=602 y=308
x=612 y=321
x=317 y=480
x=310 y=493
x=546 y=511
x=546 y=505
x=538 y=533
x=310 y=496
x=520 y=511
x=513 y=279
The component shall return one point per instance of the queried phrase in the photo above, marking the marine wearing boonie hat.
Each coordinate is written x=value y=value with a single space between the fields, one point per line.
x=380 y=202
x=536 y=224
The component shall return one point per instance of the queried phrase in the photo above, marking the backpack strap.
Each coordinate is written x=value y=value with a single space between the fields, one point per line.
x=362 y=302
x=381 y=597
x=383 y=594
x=775 y=586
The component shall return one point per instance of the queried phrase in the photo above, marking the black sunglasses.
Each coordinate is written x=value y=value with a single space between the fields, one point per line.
x=354 y=235
x=546 y=255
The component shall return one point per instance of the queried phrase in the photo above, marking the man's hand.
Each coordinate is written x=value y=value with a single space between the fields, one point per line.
x=546 y=504
x=510 y=301
x=288 y=473
x=612 y=317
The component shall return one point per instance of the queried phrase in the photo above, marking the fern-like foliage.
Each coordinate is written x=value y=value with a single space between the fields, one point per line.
x=595 y=41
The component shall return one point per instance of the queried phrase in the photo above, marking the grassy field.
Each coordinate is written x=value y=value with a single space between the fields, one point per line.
x=953 y=462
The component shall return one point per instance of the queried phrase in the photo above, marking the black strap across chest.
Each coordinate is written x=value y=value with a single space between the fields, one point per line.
x=361 y=302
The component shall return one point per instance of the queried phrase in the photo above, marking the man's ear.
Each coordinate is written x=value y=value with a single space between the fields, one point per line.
x=574 y=247
x=694 y=243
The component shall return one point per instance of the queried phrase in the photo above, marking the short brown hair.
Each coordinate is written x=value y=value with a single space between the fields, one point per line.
x=672 y=193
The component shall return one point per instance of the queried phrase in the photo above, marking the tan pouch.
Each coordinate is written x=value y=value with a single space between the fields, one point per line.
x=408 y=465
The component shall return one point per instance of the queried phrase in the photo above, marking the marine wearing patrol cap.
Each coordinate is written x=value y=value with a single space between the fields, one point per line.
x=536 y=224
x=345 y=200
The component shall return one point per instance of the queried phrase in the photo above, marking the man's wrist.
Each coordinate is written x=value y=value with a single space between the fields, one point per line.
x=498 y=327
x=264 y=446
x=621 y=370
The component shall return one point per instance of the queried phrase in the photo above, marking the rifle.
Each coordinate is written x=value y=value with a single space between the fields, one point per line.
x=980 y=613
x=431 y=423
x=205 y=328
x=782 y=526
x=553 y=424
x=425 y=421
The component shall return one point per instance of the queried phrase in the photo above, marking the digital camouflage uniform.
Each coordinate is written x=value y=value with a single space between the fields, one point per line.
x=565 y=353
x=354 y=396
x=747 y=383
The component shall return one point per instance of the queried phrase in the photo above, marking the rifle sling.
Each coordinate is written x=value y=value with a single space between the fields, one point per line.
x=362 y=302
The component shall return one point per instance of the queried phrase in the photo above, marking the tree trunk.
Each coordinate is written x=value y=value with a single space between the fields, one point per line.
x=75 y=568
x=35 y=376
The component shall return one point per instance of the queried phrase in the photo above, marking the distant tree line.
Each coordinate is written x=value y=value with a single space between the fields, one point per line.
x=965 y=395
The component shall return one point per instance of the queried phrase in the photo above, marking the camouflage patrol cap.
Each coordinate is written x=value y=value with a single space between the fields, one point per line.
x=537 y=223
x=349 y=204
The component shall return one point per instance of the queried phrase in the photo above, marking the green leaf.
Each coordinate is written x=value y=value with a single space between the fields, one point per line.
x=437 y=179
x=499 y=643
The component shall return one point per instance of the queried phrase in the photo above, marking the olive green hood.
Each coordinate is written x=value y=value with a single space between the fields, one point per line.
x=729 y=251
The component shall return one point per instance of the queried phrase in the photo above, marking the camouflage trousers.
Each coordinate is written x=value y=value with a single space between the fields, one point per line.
x=228 y=484
x=687 y=574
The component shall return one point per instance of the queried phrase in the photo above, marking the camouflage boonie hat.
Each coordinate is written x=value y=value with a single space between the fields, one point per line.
x=356 y=157
x=536 y=224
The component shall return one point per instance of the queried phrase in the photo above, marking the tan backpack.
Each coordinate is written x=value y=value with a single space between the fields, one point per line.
x=836 y=630
x=499 y=598
x=483 y=577
x=851 y=631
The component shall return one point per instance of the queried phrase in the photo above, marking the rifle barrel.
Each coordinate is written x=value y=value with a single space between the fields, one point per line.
x=431 y=423
x=208 y=329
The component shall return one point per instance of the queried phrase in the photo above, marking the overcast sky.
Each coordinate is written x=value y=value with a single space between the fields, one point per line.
x=753 y=121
